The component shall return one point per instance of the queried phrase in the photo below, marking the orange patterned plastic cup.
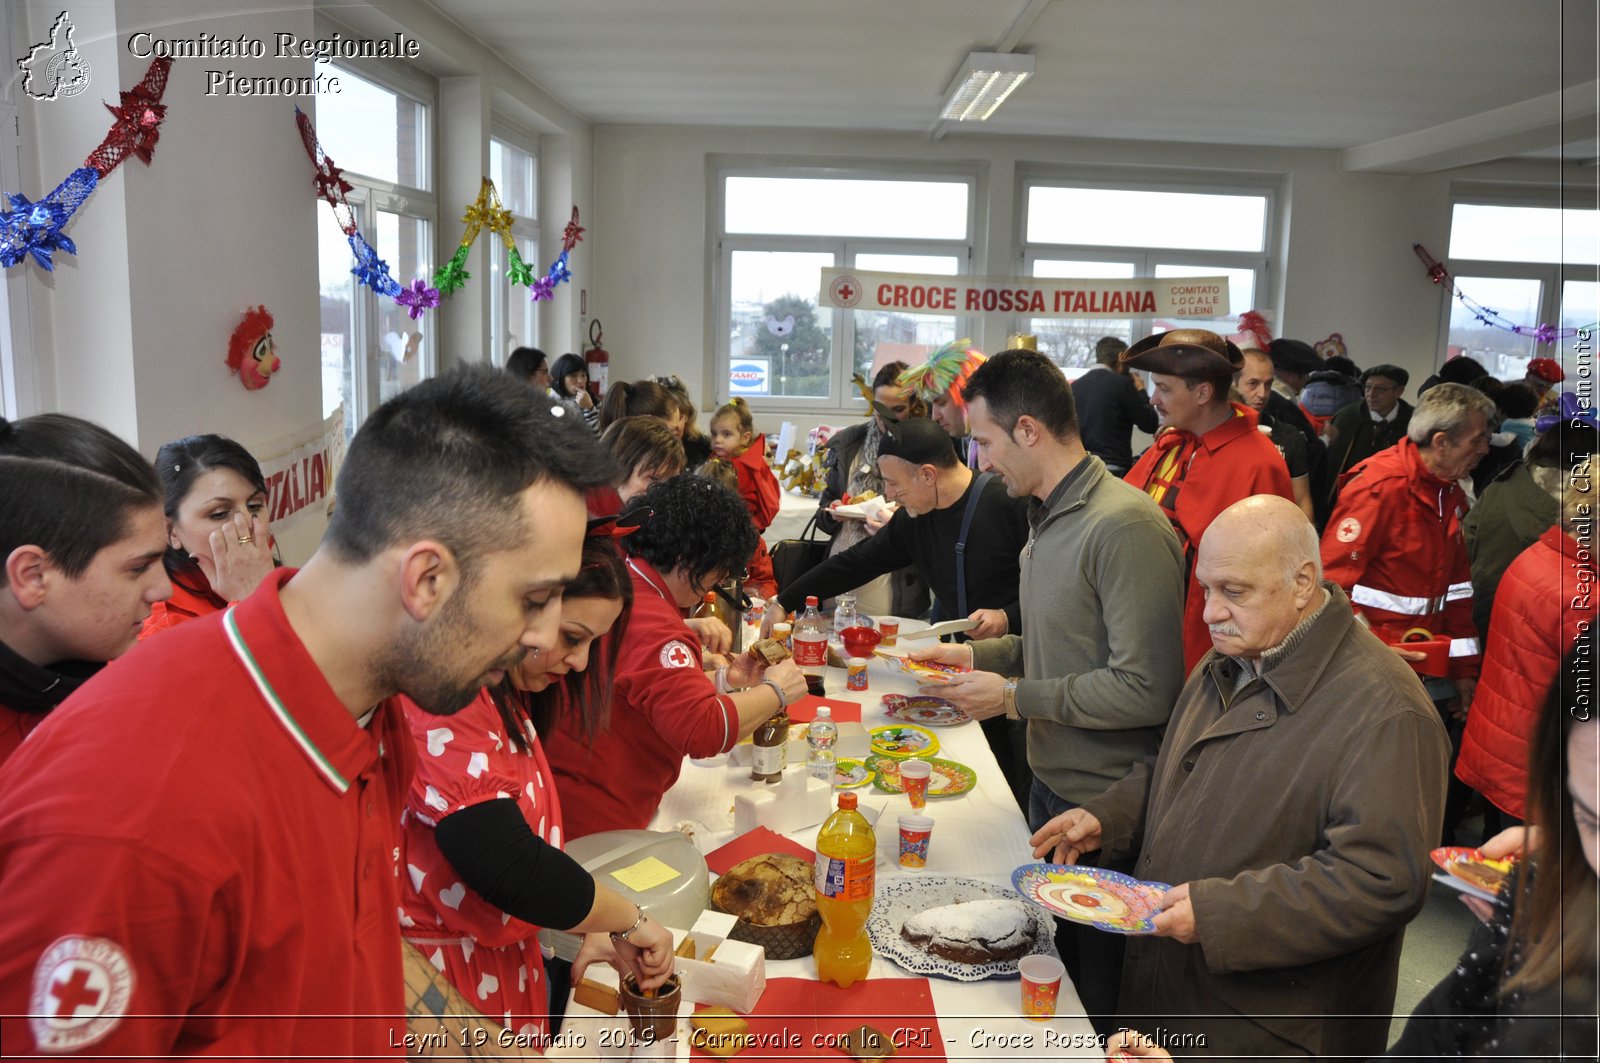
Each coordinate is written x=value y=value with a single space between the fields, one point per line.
x=1041 y=984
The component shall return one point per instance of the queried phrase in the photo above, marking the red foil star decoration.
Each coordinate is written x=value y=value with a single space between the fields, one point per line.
x=330 y=181
x=572 y=233
x=138 y=122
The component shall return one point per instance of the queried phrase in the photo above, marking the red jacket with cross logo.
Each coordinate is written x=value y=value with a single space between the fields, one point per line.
x=1394 y=544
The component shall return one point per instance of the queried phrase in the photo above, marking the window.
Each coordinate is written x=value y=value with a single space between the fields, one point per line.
x=778 y=232
x=1090 y=231
x=513 y=316
x=1514 y=259
x=371 y=348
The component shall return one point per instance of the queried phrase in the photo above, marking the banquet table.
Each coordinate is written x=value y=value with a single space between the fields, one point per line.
x=979 y=835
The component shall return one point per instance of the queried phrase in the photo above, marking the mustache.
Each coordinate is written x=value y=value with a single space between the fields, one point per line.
x=1226 y=630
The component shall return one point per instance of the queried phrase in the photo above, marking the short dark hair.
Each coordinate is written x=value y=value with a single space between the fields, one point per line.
x=565 y=366
x=180 y=463
x=1108 y=349
x=69 y=512
x=639 y=398
x=526 y=361
x=694 y=524
x=120 y=480
x=1021 y=383
x=1461 y=370
x=1340 y=364
x=643 y=443
x=449 y=459
x=62 y=437
x=1517 y=400
x=889 y=375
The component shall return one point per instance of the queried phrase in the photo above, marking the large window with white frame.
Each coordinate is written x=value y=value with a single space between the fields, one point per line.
x=381 y=137
x=1093 y=229
x=776 y=231
x=513 y=167
x=1532 y=263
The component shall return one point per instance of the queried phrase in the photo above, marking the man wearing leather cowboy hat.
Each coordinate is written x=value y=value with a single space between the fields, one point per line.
x=1208 y=454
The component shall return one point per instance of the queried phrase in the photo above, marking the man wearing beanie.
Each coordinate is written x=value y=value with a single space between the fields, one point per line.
x=1207 y=456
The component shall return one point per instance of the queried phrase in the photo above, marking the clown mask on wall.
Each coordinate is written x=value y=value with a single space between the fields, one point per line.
x=251 y=352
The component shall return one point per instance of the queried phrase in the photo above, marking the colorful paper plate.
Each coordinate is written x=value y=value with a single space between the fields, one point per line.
x=903 y=740
x=1105 y=900
x=849 y=774
x=1472 y=867
x=924 y=710
x=948 y=778
x=925 y=671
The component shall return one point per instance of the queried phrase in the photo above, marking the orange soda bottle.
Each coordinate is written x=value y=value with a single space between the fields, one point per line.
x=847 y=857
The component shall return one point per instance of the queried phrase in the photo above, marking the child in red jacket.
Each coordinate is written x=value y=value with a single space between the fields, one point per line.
x=734 y=440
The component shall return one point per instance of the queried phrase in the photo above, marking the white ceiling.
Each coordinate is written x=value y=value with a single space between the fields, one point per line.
x=1397 y=84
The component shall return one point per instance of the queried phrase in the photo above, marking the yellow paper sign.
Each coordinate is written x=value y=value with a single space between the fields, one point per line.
x=646 y=874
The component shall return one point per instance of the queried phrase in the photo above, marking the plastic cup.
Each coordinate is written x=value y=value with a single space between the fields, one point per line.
x=1041 y=984
x=784 y=633
x=653 y=1018
x=914 y=776
x=855 y=674
x=915 y=833
x=890 y=630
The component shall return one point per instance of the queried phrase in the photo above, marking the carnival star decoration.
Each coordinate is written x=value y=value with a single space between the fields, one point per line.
x=330 y=181
x=572 y=233
x=453 y=274
x=559 y=274
x=517 y=271
x=370 y=269
x=417 y=298
x=541 y=289
x=138 y=123
x=33 y=229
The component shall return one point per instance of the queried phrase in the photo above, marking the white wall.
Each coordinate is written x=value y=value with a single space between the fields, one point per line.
x=1344 y=262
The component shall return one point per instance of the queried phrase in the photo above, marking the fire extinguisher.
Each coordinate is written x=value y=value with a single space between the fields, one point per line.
x=598 y=362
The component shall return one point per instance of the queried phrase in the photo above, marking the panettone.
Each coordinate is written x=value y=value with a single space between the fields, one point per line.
x=774 y=897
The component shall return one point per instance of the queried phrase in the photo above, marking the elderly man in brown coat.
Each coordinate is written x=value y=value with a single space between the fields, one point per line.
x=1292 y=806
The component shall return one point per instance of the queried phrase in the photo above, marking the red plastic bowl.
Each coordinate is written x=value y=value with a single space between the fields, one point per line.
x=860 y=641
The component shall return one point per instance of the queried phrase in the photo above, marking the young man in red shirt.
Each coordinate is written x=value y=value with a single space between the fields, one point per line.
x=199 y=846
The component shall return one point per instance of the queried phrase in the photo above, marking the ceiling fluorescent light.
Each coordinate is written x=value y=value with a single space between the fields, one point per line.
x=983 y=83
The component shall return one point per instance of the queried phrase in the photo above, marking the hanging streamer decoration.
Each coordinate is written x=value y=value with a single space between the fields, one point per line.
x=331 y=186
x=1439 y=275
x=487 y=212
x=35 y=229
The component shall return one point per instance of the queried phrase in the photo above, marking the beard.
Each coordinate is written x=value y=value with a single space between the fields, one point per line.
x=417 y=664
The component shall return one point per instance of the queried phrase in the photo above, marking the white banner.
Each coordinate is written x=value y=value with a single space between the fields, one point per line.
x=300 y=471
x=1169 y=297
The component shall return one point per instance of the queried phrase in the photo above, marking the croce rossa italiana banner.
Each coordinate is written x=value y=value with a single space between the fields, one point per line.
x=1169 y=297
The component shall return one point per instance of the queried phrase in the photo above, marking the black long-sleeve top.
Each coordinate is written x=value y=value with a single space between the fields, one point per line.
x=998 y=533
x=1110 y=407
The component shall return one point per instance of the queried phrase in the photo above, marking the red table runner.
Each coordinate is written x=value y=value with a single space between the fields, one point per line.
x=798 y=1019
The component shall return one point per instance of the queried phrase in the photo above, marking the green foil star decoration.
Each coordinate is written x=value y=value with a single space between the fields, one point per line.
x=518 y=271
x=453 y=274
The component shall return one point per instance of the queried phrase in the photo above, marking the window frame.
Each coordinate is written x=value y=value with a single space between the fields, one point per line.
x=840 y=399
x=1146 y=258
x=1550 y=275
x=524 y=229
x=368 y=196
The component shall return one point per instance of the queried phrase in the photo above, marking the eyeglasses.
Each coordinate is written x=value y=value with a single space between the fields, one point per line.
x=1373 y=386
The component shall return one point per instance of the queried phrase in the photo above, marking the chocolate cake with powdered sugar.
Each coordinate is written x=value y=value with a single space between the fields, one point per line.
x=986 y=931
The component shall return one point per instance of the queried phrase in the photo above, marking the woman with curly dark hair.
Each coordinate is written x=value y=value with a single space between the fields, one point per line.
x=665 y=705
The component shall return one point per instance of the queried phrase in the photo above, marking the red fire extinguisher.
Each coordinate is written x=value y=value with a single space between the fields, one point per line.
x=598 y=361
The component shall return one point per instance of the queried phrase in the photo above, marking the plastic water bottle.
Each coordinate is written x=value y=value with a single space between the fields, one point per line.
x=846 y=865
x=820 y=736
x=811 y=640
x=844 y=612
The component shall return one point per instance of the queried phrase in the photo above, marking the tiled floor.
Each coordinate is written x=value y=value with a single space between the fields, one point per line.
x=1434 y=940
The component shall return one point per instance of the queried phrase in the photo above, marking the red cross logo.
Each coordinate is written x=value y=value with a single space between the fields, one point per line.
x=846 y=291
x=74 y=993
x=676 y=655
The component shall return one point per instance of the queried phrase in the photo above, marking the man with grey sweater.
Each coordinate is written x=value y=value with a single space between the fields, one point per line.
x=1100 y=660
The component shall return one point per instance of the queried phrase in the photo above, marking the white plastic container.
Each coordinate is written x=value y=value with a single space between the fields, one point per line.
x=676 y=902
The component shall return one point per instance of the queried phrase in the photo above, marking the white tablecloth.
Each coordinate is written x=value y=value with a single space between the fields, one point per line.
x=980 y=835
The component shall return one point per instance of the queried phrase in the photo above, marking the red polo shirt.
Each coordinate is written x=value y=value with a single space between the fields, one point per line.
x=202 y=838
x=663 y=708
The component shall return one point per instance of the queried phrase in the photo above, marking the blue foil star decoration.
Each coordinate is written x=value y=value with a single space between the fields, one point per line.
x=417 y=298
x=370 y=269
x=541 y=289
x=559 y=274
x=35 y=228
